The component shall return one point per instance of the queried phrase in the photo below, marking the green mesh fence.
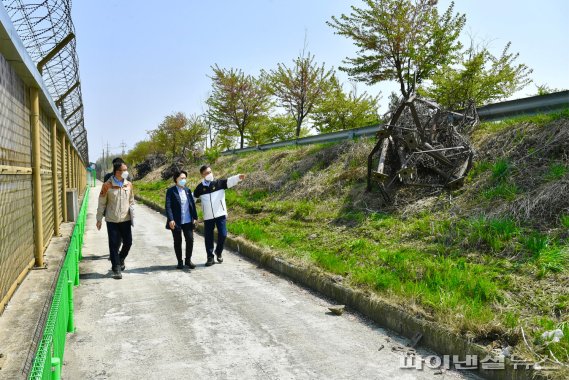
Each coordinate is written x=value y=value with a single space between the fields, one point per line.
x=49 y=355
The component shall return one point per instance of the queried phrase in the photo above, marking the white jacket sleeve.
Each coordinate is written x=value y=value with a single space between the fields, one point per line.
x=232 y=181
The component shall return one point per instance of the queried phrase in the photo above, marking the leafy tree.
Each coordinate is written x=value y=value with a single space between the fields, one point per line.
x=544 y=89
x=401 y=40
x=299 y=88
x=178 y=135
x=275 y=128
x=480 y=77
x=140 y=151
x=237 y=101
x=340 y=111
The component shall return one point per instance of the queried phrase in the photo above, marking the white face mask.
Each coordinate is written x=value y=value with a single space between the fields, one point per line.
x=124 y=175
x=209 y=177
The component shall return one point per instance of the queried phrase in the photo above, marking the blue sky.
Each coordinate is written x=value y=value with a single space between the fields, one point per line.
x=142 y=60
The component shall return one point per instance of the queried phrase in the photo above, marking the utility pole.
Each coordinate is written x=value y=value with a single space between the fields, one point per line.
x=123 y=146
x=107 y=161
x=103 y=164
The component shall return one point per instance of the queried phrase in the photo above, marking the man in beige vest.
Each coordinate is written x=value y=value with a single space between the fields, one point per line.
x=116 y=202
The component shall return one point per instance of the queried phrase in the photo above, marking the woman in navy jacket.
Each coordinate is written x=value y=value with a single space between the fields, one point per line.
x=182 y=217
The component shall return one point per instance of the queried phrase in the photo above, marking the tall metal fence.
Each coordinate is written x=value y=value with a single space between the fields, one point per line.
x=39 y=163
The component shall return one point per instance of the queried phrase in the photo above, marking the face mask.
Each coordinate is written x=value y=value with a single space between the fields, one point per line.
x=209 y=177
x=124 y=175
x=182 y=182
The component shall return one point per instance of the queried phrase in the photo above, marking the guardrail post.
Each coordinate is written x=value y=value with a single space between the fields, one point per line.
x=36 y=176
x=76 y=261
x=71 y=319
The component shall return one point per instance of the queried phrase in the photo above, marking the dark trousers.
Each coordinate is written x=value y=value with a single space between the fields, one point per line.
x=188 y=236
x=117 y=232
x=209 y=226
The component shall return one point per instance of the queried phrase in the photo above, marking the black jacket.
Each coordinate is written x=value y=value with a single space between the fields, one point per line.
x=174 y=206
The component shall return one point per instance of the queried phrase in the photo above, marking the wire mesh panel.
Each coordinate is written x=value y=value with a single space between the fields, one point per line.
x=47 y=207
x=46 y=179
x=15 y=138
x=60 y=179
x=16 y=228
x=45 y=142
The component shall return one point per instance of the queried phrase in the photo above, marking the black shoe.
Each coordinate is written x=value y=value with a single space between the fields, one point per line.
x=122 y=264
x=180 y=265
x=209 y=262
x=219 y=258
x=117 y=275
x=190 y=265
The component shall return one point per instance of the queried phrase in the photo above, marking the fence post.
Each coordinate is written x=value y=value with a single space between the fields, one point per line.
x=36 y=177
x=71 y=322
x=56 y=364
x=54 y=179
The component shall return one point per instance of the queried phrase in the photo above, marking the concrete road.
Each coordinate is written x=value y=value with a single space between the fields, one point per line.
x=229 y=321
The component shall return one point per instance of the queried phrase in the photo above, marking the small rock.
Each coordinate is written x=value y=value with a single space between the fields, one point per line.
x=312 y=236
x=507 y=351
x=337 y=278
x=337 y=310
x=553 y=336
x=380 y=347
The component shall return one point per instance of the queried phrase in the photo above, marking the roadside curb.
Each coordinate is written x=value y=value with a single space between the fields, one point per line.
x=386 y=315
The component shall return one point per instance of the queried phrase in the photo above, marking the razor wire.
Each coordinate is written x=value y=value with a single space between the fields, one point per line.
x=42 y=26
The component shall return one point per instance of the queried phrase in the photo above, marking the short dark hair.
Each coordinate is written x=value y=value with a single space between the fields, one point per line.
x=178 y=173
x=117 y=166
x=203 y=168
x=118 y=159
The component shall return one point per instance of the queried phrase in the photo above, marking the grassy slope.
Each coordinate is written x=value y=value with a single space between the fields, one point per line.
x=489 y=261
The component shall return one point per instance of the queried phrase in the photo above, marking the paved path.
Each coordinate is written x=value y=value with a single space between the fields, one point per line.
x=228 y=321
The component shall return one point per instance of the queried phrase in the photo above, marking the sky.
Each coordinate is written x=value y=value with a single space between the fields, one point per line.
x=140 y=61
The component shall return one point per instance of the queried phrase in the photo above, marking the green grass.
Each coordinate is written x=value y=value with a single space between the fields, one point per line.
x=450 y=263
x=502 y=190
x=493 y=127
x=564 y=219
x=556 y=172
x=153 y=191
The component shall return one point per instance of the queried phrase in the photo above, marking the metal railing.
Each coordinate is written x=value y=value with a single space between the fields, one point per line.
x=491 y=112
x=49 y=355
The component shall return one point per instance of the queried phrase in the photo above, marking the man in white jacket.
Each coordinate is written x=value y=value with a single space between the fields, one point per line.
x=211 y=193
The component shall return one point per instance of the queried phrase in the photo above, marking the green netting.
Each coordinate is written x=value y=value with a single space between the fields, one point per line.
x=49 y=355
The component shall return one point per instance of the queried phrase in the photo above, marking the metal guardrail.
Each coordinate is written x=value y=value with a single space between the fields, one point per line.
x=491 y=112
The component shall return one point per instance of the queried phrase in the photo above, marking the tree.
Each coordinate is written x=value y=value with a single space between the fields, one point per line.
x=275 y=128
x=544 y=89
x=178 y=135
x=299 y=88
x=237 y=101
x=340 y=111
x=140 y=151
x=399 y=40
x=480 y=77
